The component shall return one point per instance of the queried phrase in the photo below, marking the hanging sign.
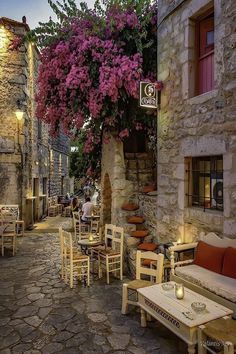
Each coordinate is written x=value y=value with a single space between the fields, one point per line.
x=148 y=95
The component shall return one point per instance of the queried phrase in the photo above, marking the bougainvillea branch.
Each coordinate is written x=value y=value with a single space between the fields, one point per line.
x=91 y=66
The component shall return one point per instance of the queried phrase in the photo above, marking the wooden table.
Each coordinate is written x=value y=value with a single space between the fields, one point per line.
x=173 y=313
x=85 y=244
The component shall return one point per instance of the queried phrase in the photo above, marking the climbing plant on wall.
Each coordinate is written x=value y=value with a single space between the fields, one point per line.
x=92 y=61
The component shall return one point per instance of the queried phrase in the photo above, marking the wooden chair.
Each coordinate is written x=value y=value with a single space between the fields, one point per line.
x=107 y=240
x=20 y=227
x=52 y=208
x=67 y=211
x=96 y=210
x=111 y=259
x=76 y=224
x=129 y=294
x=94 y=227
x=9 y=238
x=74 y=263
x=218 y=334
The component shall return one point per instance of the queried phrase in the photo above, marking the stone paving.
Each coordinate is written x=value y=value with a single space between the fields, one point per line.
x=40 y=314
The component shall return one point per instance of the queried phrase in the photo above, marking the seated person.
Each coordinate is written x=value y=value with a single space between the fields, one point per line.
x=87 y=210
x=75 y=205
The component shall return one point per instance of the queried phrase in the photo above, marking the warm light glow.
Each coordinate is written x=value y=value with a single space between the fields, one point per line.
x=19 y=114
x=3 y=37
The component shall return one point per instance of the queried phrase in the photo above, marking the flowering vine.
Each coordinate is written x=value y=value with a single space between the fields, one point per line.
x=91 y=65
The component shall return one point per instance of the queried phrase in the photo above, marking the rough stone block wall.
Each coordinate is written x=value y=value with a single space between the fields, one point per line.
x=148 y=209
x=191 y=125
x=25 y=145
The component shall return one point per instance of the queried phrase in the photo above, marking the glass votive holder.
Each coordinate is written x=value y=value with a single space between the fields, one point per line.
x=179 y=291
x=91 y=237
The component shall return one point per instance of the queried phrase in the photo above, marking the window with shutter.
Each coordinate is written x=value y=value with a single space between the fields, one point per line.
x=205 y=54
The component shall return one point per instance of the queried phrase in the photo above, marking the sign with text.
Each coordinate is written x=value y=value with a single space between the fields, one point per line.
x=148 y=95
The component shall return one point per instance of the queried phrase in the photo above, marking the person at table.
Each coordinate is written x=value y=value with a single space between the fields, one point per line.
x=75 y=205
x=87 y=210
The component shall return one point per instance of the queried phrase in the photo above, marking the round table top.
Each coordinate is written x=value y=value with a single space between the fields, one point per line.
x=93 y=217
x=87 y=242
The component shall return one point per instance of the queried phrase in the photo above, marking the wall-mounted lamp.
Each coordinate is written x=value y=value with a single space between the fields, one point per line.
x=19 y=113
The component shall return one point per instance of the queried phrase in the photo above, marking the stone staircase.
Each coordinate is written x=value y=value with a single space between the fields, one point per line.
x=139 y=169
x=140 y=233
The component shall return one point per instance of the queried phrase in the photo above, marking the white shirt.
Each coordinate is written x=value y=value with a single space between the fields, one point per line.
x=87 y=210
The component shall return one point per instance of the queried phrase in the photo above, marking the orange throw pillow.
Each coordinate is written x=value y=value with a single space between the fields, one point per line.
x=229 y=263
x=209 y=257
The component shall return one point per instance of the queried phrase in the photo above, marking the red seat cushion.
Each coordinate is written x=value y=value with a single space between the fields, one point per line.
x=229 y=263
x=147 y=246
x=209 y=257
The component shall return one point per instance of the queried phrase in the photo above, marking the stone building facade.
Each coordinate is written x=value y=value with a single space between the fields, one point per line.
x=123 y=176
x=33 y=166
x=197 y=119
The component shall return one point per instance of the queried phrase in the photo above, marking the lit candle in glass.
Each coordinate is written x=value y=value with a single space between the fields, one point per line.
x=179 y=291
x=91 y=237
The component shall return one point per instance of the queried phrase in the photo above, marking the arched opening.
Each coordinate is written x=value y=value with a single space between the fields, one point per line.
x=106 y=200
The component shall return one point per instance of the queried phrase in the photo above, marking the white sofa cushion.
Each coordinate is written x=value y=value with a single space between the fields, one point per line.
x=214 y=282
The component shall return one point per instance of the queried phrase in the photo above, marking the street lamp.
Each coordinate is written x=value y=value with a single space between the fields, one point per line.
x=19 y=113
x=19 y=116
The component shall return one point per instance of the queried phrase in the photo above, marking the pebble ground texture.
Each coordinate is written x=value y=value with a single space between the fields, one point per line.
x=41 y=314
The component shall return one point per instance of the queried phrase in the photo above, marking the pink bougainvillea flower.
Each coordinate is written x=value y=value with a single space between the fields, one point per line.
x=89 y=76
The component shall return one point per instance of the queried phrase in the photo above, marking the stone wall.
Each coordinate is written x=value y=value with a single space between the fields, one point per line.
x=120 y=183
x=25 y=145
x=191 y=126
x=14 y=140
x=113 y=172
x=148 y=209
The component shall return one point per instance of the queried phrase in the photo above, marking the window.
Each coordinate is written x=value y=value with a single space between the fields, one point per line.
x=205 y=54
x=135 y=143
x=205 y=182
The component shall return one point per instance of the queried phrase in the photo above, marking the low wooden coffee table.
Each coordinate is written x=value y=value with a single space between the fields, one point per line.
x=177 y=315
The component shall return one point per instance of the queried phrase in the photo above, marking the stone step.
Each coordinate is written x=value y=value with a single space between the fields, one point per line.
x=139 y=233
x=148 y=189
x=138 y=156
x=135 y=219
x=147 y=246
x=130 y=207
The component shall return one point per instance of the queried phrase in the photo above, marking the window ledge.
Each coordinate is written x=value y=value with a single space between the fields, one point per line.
x=203 y=98
x=192 y=210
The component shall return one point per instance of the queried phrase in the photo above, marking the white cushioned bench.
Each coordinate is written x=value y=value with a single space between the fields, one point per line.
x=215 y=286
